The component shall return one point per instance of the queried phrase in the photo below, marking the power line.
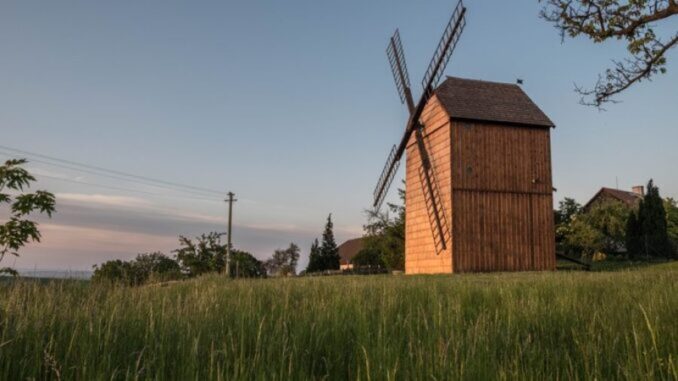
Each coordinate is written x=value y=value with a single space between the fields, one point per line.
x=112 y=176
x=110 y=172
x=127 y=189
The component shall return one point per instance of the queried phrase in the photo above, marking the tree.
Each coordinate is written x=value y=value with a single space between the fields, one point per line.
x=205 y=255
x=568 y=208
x=113 y=271
x=245 y=265
x=144 y=268
x=632 y=21
x=284 y=262
x=329 y=253
x=314 y=259
x=18 y=230
x=583 y=238
x=386 y=235
x=610 y=219
x=196 y=258
x=634 y=235
x=653 y=221
x=600 y=228
x=154 y=266
x=648 y=230
x=370 y=258
x=671 y=207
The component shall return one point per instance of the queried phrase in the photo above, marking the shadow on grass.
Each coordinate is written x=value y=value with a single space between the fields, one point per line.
x=612 y=264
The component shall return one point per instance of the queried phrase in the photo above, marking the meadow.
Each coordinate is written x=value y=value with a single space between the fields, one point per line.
x=535 y=326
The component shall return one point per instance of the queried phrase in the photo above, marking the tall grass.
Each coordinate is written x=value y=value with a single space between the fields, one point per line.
x=539 y=326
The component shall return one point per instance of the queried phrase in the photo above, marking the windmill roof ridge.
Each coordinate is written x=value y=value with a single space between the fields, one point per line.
x=481 y=100
x=480 y=80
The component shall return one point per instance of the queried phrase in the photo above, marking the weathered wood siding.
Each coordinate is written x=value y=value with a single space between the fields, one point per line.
x=421 y=254
x=494 y=181
x=502 y=198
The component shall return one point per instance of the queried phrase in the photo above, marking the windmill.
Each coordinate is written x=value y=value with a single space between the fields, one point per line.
x=426 y=171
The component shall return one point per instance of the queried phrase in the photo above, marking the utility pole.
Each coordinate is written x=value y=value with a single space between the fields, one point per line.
x=230 y=201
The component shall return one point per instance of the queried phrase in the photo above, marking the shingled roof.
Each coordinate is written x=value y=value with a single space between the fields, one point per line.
x=490 y=101
x=628 y=198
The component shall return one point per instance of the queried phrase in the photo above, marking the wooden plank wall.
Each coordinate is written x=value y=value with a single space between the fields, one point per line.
x=420 y=251
x=502 y=198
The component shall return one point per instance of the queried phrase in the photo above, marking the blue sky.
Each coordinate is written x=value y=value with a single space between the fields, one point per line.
x=289 y=104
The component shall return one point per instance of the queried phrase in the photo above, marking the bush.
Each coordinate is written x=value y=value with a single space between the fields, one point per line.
x=368 y=258
x=245 y=265
x=155 y=267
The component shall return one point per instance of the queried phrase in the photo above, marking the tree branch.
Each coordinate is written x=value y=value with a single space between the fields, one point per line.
x=601 y=20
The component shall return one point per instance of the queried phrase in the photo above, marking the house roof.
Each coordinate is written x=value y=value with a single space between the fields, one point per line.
x=629 y=198
x=490 y=101
x=349 y=249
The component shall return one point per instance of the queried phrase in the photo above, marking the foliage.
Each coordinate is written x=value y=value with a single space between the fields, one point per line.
x=609 y=219
x=205 y=254
x=583 y=238
x=325 y=255
x=245 y=265
x=598 y=229
x=144 y=268
x=9 y=271
x=314 y=258
x=193 y=258
x=634 y=235
x=155 y=266
x=329 y=252
x=18 y=230
x=386 y=235
x=368 y=258
x=611 y=227
x=633 y=21
x=567 y=209
x=117 y=271
x=563 y=217
x=671 y=207
x=649 y=236
x=284 y=262
x=617 y=325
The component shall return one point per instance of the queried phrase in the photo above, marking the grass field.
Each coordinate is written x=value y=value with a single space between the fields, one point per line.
x=539 y=326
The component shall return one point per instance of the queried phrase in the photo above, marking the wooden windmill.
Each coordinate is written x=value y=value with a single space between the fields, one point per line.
x=478 y=176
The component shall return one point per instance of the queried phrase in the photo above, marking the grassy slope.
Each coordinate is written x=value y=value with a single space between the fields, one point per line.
x=564 y=325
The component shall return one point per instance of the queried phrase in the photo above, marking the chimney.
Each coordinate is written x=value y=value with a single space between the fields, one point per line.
x=639 y=190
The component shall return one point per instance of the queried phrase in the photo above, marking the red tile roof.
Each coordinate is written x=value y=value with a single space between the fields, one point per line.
x=629 y=198
x=490 y=101
x=349 y=249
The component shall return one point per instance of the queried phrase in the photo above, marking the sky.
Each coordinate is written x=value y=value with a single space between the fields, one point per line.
x=291 y=105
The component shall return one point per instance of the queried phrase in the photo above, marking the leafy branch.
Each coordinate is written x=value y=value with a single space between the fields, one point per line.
x=632 y=21
x=18 y=230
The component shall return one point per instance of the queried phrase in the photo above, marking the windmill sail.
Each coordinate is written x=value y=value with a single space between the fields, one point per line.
x=386 y=178
x=434 y=203
x=446 y=46
x=435 y=70
x=396 y=58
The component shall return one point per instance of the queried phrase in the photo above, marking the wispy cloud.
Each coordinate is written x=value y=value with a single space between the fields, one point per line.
x=91 y=228
x=104 y=199
x=83 y=238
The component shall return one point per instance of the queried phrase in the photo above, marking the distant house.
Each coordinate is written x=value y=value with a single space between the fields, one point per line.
x=608 y=194
x=347 y=251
